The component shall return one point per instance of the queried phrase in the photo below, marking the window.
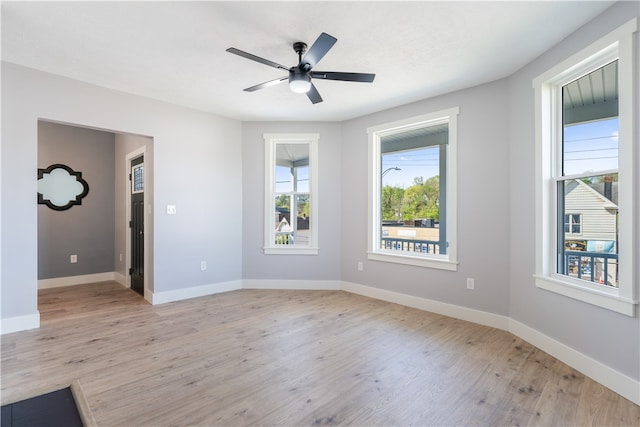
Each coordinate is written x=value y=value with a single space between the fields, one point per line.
x=572 y=223
x=137 y=181
x=586 y=183
x=412 y=188
x=290 y=194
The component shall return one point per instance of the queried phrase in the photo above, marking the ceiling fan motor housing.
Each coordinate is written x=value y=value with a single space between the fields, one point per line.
x=299 y=80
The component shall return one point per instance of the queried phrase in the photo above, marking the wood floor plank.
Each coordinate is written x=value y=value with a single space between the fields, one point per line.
x=286 y=357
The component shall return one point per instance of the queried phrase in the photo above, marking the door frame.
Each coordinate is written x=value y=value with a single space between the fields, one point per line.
x=142 y=151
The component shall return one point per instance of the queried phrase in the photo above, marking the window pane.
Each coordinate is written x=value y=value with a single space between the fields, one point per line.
x=284 y=230
x=590 y=122
x=302 y=220
x=411 y=189
x=284 y=179
x=302 y=179
x=588 y=246
x=138 y=179
x=292 y=230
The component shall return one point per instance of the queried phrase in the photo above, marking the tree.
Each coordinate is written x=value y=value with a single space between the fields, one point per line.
x=282 y=201
x=421 y=200
x=391 y=202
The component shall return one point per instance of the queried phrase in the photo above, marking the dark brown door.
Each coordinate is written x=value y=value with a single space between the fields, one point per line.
x=137 y=225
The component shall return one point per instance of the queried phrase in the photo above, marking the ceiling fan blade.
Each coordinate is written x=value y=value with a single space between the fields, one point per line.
x=313 y=95
x=256 y=58
x=347 y=77
x=320 y=47
x=266 y=84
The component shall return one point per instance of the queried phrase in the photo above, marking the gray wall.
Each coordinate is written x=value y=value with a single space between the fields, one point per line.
x=197 y=164
x=483 y=205
x=86 y=230
x=331 y=218
x=611 y=338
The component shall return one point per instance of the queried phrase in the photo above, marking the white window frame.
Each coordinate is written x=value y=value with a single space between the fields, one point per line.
x=443 y=262
x=271 y=140
x=619 y=45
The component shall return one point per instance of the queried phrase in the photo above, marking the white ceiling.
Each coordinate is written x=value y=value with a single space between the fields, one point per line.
x=175 y=51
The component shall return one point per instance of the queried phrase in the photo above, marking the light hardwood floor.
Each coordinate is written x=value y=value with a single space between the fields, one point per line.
x=265 y=357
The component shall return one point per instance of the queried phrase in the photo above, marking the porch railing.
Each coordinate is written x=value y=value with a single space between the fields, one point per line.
x=593 y=266
x=411 y=245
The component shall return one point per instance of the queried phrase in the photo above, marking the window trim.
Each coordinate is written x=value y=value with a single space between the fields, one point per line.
x=375 y=133
x=616 y=45
x=271 y=139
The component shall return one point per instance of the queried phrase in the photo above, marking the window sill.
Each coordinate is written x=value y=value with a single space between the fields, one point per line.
x=602 y=299
x=291 y=251
x=418 y=261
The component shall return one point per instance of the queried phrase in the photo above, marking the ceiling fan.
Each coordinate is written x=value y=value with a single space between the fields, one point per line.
x=300 y=75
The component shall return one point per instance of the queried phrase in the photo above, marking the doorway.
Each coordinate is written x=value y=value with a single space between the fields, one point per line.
x=84 y=244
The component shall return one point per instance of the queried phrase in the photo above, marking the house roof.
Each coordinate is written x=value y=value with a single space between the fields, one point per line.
x=175 y=51
x=598 y=191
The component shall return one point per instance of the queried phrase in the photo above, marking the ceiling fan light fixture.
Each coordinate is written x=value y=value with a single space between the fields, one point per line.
x=299 y=83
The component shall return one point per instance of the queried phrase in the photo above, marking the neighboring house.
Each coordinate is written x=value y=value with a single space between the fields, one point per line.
x=590 y=226
x=589 y=217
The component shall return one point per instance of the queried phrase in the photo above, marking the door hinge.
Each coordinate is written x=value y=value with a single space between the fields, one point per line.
x=130 y=224
x=129 y=177
x=130 y=271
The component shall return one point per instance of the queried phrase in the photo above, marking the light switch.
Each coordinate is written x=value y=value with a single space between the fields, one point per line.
x=171 y=210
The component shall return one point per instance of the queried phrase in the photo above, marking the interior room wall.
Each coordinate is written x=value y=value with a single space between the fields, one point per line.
x=483 y=208
x=606 y=336
x=331 y=218
x=85 y=230
x=197 y=164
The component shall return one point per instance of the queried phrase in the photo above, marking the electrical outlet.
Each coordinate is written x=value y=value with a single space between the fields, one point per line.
x=171 y=209
x=360 y=266
x=203 y=265
x=471 y=285
x=73 y=259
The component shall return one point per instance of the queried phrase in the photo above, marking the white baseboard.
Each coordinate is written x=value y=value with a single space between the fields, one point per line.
x=598 y=371
x=324 y=285
x=120 y=279
x=19 y=323
x=463 y=313
x=57 y=282
x=193 y=292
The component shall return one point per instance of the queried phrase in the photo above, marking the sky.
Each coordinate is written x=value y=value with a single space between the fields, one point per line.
x=416 y=163
x=590 y=146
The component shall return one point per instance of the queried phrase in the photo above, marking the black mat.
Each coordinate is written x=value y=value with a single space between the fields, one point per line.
x=57 y=408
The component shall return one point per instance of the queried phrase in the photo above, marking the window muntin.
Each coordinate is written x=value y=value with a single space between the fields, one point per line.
x=411 y=180
x=290 y=217
x=607 y=278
